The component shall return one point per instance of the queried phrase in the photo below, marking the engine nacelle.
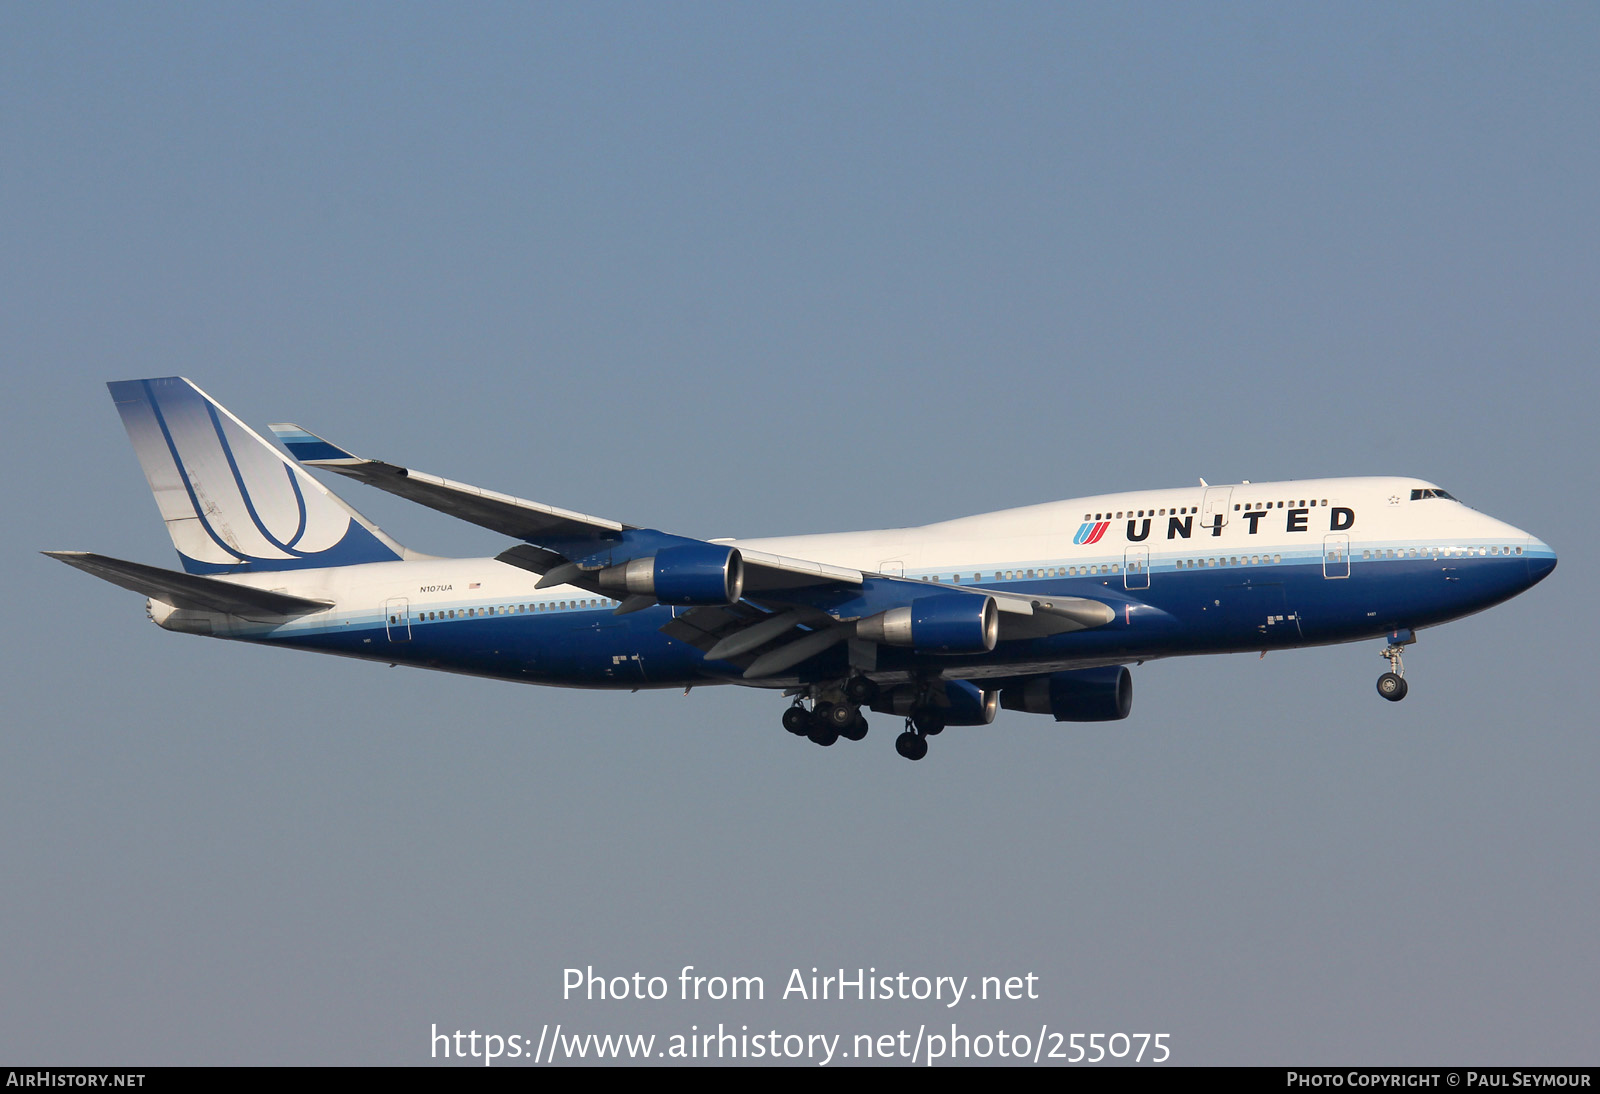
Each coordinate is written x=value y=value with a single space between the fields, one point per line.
x=1079 y=695
x=952 y=623
x=697 y=573
x=969 y=705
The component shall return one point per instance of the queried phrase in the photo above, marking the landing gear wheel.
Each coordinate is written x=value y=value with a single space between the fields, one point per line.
x=823 y=734
x=856 y=730
x=1392 y=687
x=928 y=722
x=1392 y=684
x=841 y=716
x=913 y=746
x=797 y=720
x=860 y=691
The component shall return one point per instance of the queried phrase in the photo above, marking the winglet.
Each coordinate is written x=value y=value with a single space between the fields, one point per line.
x=307 y=447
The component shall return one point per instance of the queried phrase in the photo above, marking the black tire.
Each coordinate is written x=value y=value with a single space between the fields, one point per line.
x=860 y=691
x=928 y=722
x=797 y=721
x=913 y=746
x=842 y=717
x=823 y=734
x=856 y=730
x=1392 y=687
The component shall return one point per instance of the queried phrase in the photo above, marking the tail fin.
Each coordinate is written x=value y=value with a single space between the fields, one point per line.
x=232 y=502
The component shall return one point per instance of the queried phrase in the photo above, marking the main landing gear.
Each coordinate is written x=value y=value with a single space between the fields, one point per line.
x=911 y=744
x=823 y=713
x=826 y=721
x=923 y=722
x=1392 y=684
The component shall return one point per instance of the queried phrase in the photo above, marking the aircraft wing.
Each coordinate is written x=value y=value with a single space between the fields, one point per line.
x=799 y=624
x=515 y=517
x=784 y=611
x=192 y=591
x=567 y=538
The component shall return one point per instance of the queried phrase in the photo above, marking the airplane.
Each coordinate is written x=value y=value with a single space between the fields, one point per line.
x=1039 y=609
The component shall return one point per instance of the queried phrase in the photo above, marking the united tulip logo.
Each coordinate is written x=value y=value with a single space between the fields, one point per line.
x=1091 y=531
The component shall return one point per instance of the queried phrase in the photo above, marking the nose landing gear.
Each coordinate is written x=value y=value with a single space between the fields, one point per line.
x=1392 y=684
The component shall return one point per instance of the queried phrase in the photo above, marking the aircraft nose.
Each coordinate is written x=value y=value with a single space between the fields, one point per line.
x=1541 y=560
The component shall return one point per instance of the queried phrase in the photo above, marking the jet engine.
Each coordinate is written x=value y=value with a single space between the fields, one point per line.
x=697 y=573
x=952 y=623
x=967 y=704
x=1078 y=695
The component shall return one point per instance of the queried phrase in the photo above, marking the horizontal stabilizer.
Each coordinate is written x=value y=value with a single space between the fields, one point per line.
x=191 y=591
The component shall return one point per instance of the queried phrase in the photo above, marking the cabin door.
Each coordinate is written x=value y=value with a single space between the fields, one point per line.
x=1336 y=555
x=1136 y=568
x=1214 y=510
x=397 y=618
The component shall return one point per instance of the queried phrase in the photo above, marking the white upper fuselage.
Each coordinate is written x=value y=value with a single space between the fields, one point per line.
x=1295 y=519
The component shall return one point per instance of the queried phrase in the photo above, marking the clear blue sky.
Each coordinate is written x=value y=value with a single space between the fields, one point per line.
x=754 y=270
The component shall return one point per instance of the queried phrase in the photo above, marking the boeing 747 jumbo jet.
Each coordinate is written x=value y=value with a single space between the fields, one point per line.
x=1039 y=609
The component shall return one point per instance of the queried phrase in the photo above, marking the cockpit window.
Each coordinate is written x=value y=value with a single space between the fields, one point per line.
x=1431 y=492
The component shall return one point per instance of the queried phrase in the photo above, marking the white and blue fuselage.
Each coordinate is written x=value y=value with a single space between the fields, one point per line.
x=1037 y=609
x=1294 y=563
